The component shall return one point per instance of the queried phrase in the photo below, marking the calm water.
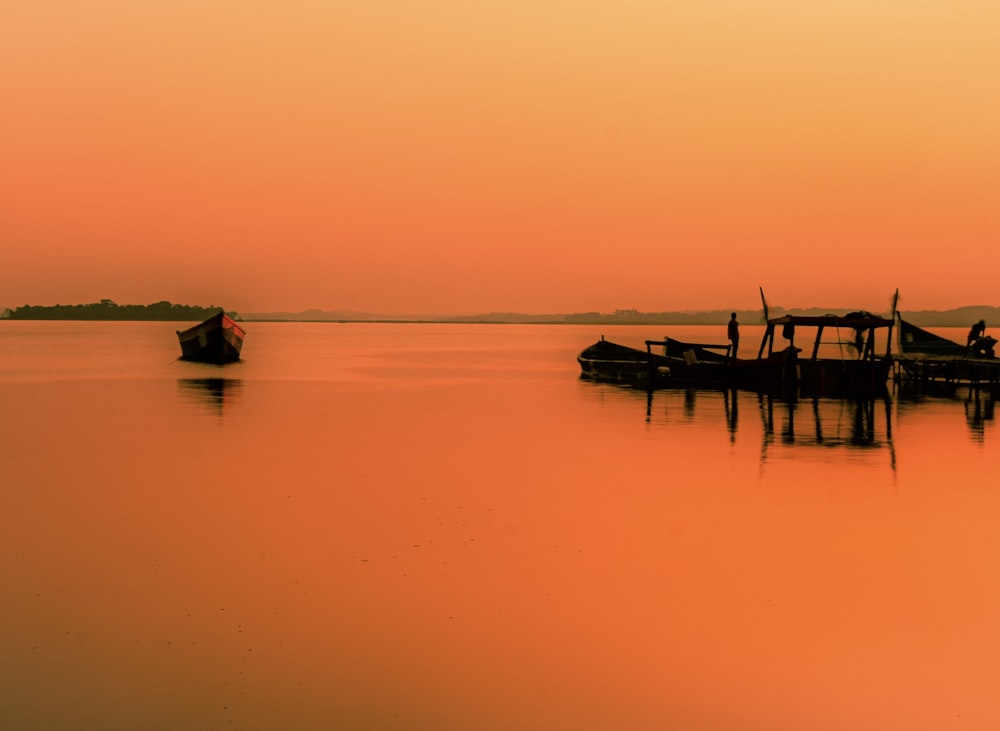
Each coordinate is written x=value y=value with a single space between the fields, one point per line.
x=368 y=526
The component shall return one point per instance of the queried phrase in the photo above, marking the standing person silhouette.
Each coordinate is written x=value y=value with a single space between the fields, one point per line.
x=733 y=331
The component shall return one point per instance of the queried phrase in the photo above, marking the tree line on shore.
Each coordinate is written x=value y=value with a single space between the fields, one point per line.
x=109 y=310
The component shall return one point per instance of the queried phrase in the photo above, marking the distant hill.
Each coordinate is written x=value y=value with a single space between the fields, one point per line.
x=109 y=310
x=356 y=316
x=959 y=317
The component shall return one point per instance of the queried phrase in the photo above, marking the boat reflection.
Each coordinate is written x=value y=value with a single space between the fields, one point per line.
x=863 y=424
x=979 y=412
x=828 y=423
x=818 y=423
x=978 y=405
x=214 y=393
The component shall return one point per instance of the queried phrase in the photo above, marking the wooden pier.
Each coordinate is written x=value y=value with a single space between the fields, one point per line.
x=948 y=371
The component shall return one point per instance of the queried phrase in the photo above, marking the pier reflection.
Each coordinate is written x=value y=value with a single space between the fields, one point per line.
x=815 y=423
x=977 y=404
x=979 y=412
x=863 y=424
x=214 y=393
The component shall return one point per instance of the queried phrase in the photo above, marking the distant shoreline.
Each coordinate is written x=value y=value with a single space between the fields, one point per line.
x=166 y=311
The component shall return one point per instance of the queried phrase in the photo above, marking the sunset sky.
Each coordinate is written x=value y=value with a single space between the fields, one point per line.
x=471 y=156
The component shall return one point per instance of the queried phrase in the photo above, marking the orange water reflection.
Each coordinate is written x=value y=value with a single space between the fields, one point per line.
x=448 y=556
x=215 y=393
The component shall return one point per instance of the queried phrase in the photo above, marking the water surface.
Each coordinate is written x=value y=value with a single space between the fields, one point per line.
x=375 y=526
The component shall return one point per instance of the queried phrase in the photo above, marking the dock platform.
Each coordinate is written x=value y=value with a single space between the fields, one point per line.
x=947 y=370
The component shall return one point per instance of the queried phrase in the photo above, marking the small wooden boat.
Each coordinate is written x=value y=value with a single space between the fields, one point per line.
x=914 y=340
x=673 y=363
x=927 y=360
x=843 y=357
x=216 y=340
x=613 y=363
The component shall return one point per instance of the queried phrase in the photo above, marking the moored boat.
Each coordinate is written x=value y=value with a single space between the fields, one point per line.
x=672 y=363
x=614 y=363
x=850 y=364
x=844 y=356
x=927 y=359
x=914 y=341
x=218 y=340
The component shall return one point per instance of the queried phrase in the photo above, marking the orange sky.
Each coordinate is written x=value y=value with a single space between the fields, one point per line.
x=473 y=156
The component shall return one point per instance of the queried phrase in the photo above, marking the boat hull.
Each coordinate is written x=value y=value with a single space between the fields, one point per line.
x=609 y=362
x=682 y=365
x=217 y=340
x=786 y=374
x=782 y=373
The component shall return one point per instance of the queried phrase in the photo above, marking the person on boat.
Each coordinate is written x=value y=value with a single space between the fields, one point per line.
x=733 y=332
x=977 y=331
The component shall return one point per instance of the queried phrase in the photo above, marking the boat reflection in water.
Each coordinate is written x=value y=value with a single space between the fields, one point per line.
x=214 y=393
x=825 y=423
x=976 y=401
x=852 y=423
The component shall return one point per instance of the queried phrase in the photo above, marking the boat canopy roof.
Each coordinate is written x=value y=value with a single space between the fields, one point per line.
x=851 y=319
x=914 y=340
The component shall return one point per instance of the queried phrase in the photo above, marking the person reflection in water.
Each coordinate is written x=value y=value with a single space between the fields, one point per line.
x=733 y=331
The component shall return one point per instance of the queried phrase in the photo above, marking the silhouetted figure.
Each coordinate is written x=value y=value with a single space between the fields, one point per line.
x=978 y=343
x=733 y=331
x=975 y=332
